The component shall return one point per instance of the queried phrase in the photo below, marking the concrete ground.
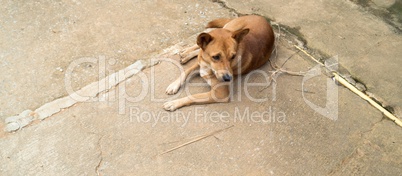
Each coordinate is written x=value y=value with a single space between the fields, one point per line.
x=283 y=134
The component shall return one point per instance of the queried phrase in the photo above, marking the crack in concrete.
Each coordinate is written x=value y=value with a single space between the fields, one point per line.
x=344 y=161
x=223 y=4
x=89 y=91
x=356 y=152
x=100 y=156
x=373 y=126
x=98 y=144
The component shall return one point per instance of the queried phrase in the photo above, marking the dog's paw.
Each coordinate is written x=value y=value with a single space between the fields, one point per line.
x=170 y=105
x=188 y=54
x=173 y=88
x=184 y=58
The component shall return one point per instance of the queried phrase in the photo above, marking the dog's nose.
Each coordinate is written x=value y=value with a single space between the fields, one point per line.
x=227 y=77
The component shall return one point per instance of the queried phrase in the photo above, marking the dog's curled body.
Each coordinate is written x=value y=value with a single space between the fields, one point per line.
x=259 y=42
x=237 y=46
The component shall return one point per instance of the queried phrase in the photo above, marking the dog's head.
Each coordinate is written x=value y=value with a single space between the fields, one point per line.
x=219 y=48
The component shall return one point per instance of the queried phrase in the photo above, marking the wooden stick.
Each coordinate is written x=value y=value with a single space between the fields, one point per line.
x=195 y=140
x=356 y=91
x=367 y=98
x=305 y=52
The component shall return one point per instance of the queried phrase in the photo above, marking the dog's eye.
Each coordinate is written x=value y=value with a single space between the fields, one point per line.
x=217 y=57
x=234 y=56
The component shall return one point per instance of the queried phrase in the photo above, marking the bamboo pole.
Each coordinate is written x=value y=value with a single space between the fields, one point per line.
x=367 y=98
x=356 y=91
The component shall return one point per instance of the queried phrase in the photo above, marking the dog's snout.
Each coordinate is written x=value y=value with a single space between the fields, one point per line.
x=227 y=77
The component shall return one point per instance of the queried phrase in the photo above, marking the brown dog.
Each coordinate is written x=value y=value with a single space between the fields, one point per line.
x=238 y=46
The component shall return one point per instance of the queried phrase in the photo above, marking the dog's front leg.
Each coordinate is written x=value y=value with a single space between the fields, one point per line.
x=175 y=85
x=219 y=93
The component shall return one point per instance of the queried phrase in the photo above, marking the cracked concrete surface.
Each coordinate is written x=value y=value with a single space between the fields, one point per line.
x=96 y=138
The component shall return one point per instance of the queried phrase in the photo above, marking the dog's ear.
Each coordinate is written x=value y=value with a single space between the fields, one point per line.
x=203 y=39
x=239 y=34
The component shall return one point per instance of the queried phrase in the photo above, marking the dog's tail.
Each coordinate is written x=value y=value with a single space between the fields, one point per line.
x=218 y=23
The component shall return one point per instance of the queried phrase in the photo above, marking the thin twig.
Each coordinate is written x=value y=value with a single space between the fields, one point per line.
x=278 y=70
x=305 y=91
x=195 y=140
